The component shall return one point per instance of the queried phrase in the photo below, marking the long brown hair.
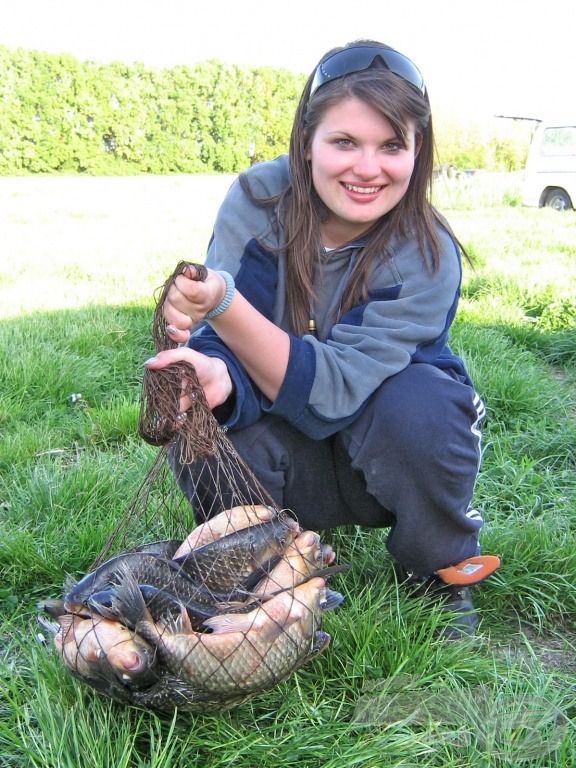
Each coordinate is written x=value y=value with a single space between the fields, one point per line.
x=302 y=211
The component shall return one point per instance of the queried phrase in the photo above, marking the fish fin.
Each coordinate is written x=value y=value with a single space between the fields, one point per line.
x=127 y=600
x=331 y=600
x=102 y=603
x=249 y=622
x=175 y=625
x=185 y=621
x=106 y=611
x=66 y=624
x=231 y=622
x=234 y=605
x=321 y=642
x=330 y=570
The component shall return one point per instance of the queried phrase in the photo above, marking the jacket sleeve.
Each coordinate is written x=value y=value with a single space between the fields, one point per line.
x=245 y=399
x=235 y=246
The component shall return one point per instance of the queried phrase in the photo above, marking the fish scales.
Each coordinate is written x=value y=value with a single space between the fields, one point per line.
x=147 y=569
x=243 y=653
x=229 y=521
x=227 y=563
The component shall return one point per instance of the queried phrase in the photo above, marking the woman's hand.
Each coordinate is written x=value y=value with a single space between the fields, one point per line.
x=211 y=371
x=188 y=301
x=262 y=347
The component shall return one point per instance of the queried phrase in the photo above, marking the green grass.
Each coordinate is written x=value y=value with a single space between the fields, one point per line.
x=81 y=259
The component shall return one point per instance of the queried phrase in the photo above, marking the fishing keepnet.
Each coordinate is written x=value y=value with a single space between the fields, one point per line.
x=199 y=605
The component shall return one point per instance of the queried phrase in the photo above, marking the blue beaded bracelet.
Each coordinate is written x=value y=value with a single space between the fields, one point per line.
x=225 y=303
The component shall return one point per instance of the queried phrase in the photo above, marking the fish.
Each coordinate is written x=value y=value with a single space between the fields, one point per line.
x=143 y=560
x=170 y=693
x=164 y=603
x=97 y=586
x=228 y=521
x=328 y=554
x=220 y=571
x=302 y=558
x=98 y=649
x=54 y=607
x=239 y=559
x=244 y=653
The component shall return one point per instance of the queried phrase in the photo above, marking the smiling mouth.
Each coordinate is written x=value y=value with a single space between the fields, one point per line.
x=361 y=190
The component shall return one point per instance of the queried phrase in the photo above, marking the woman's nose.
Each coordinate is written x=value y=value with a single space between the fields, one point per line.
x=367 y=166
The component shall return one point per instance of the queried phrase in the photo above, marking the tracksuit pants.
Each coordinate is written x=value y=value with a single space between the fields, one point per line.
x=408 y=463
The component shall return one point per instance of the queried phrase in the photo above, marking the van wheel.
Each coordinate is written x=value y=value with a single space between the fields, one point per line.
x=558 y=200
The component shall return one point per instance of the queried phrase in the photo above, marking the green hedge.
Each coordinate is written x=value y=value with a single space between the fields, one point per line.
x=62 y=115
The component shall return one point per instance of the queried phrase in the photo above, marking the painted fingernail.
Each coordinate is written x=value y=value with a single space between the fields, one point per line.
x=150 y=360
x=171 y=329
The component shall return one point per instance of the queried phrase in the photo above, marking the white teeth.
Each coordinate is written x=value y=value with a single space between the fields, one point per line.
x=362 y=190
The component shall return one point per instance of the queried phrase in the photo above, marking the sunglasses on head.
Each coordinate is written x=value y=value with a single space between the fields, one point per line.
x=356 y=59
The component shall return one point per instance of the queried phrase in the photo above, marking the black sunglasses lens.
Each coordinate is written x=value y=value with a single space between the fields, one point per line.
x=357 y=59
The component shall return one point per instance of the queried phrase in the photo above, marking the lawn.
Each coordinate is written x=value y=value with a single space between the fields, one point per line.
x=81 y=260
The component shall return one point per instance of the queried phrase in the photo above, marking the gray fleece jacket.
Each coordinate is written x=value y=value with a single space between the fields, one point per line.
x=330 y=378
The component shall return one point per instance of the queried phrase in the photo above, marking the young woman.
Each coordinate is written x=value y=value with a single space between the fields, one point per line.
x=320 y=335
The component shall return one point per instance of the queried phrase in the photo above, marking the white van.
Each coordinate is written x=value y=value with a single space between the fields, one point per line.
x=550 y=173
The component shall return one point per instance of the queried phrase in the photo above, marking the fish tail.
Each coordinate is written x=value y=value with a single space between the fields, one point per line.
x=321 y=642
x=49 y=626
x=331 y=600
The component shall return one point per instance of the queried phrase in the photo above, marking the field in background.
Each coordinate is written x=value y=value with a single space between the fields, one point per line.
x=66 y=238
x=80 y=261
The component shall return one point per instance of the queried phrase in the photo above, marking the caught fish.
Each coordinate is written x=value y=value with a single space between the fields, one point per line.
x=302 y=558
x=241 y=558
x=221 y=571
x=148 y=568
x=229 y=521
x=53 y=607
x=171 y=692
x=163 y=604
x=144 y=560
x=201 y=624
x=243 y=653
x=95 y=648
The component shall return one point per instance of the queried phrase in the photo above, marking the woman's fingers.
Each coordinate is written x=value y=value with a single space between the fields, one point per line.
x=178 y=334
x=168 y=356
x=213 y=375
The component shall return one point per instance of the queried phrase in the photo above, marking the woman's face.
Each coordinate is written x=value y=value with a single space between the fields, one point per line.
x=360 y=169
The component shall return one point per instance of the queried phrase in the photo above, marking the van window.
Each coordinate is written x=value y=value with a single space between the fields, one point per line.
x=557 y=142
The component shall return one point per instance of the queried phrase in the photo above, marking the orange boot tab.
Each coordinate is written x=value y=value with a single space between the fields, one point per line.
x=471 y=571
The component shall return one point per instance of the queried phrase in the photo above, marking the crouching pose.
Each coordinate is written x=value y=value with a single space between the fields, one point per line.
x=320 y=335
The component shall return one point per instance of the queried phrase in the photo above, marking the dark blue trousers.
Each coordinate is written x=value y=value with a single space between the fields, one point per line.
x=409 y=463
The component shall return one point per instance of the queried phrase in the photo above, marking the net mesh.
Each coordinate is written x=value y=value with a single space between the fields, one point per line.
x=222 y=601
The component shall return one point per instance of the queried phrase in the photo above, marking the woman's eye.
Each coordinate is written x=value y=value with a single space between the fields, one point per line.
x=343 y=143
